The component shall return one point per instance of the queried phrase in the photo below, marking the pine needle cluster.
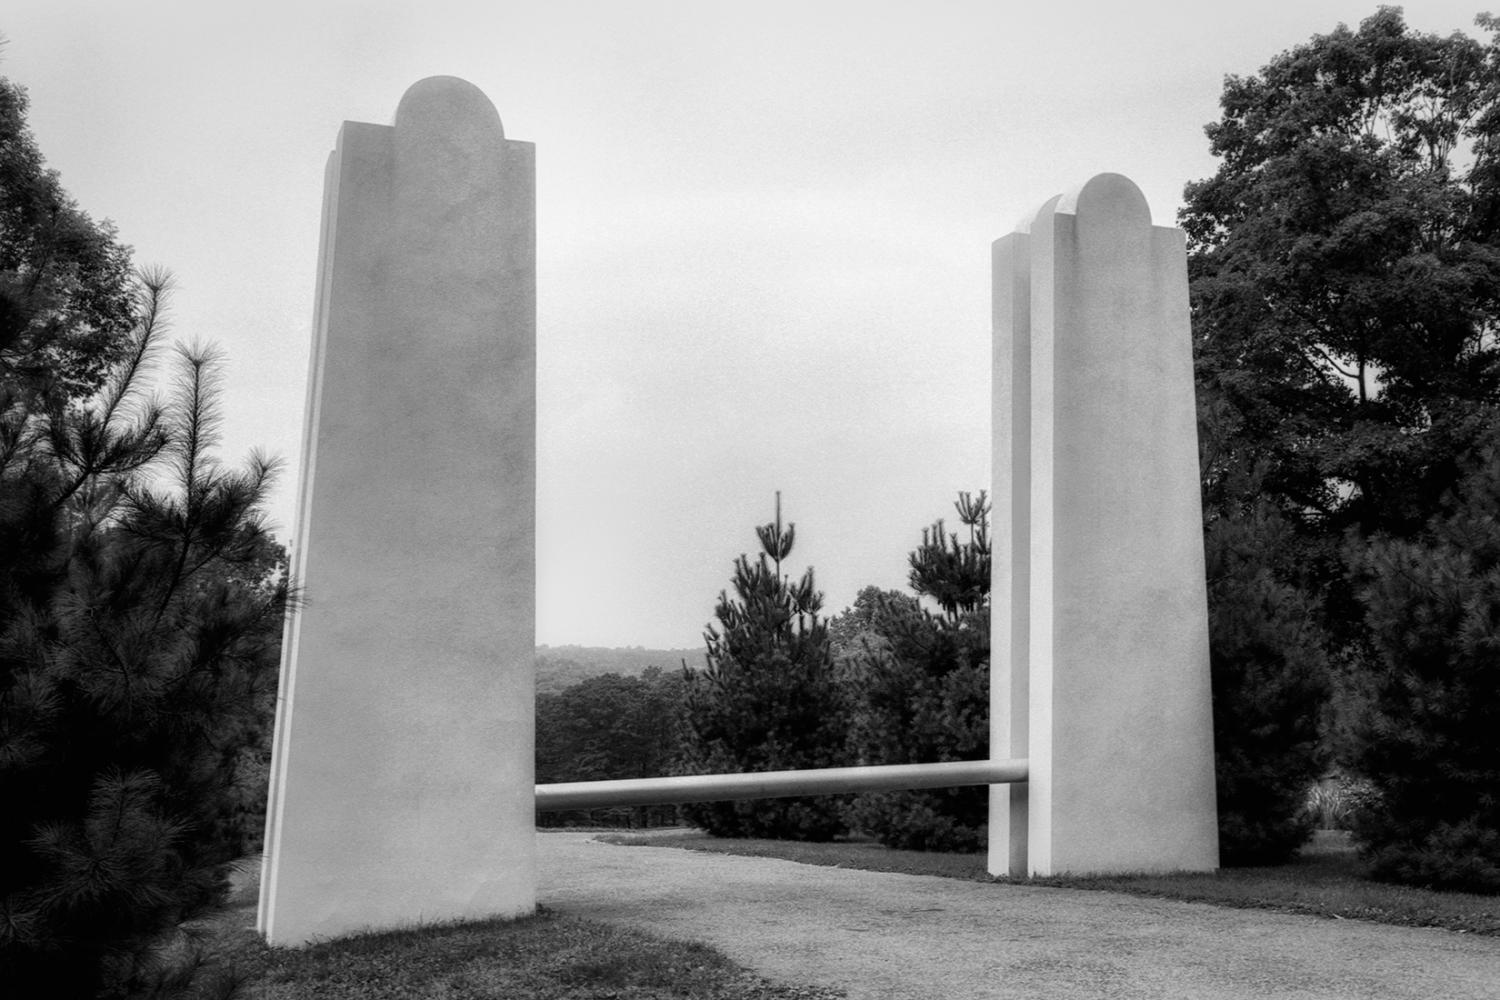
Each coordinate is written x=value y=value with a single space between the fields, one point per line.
x=141 y=601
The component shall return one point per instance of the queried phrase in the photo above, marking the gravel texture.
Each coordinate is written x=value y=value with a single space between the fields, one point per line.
x=882 y=936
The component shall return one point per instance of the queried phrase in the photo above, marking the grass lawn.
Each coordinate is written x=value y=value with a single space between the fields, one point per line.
x=1327 y=880
x=555 y=957
x=546 y=957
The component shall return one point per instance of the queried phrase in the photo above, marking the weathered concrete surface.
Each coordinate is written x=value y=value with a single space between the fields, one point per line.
x=1103 y=684
x=910 y=937
x=402 y=769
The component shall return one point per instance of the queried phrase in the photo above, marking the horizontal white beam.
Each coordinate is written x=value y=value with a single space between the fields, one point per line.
x=774 y=784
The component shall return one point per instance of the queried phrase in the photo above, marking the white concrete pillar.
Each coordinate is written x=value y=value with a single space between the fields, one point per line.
x=402 y=775
x=1100 y=666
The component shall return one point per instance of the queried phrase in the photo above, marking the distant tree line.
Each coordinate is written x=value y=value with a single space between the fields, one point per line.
x=784 y=687
x=560 y=667
x=610 y=726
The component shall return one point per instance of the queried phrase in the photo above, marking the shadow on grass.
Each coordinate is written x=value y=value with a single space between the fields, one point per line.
x=1326 y=880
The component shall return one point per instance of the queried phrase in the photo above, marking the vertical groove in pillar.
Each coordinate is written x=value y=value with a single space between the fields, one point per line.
x=1010 y=462
x=1047 y=284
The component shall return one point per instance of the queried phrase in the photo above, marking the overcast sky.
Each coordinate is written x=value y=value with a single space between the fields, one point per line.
x=763 y=232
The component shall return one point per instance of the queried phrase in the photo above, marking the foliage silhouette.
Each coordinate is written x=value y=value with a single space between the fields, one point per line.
x=138 y=656
x=919 y=685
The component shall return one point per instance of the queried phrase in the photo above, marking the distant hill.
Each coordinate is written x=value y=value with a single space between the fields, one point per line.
x=559 y=667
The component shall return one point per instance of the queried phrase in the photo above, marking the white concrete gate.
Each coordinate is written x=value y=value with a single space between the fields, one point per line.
x=402 y=786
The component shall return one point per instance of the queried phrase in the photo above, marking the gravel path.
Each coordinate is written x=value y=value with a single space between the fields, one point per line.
x=917 y=937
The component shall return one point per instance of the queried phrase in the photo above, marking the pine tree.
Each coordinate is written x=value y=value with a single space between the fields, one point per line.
x=921 y=687
x=1424 y=722
x=769 y=698
x=137 y=668
x=956 y=574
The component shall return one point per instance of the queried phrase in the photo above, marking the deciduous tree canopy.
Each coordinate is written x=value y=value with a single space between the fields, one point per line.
x=65 y=282
x=1345 y=284
x=1345 y=266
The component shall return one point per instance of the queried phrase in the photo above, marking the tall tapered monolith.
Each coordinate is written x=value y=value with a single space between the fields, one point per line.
x=402 y=771
x=1100 y=663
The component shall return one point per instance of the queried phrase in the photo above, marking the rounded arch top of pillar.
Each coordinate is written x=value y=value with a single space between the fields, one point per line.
x=450 y=146
x=1028 y=221
x=447 y=103
x=1108 y=198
